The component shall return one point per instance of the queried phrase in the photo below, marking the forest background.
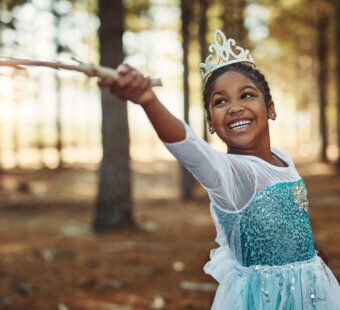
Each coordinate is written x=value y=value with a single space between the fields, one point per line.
x=136 y=234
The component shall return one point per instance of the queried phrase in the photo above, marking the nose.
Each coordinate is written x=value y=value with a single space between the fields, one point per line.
x=235 y=108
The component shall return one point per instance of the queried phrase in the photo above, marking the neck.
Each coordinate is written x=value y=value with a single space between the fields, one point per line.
x=261 y=150
x=264 y=154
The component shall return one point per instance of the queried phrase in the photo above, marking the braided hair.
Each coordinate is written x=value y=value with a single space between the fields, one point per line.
x=253 y=74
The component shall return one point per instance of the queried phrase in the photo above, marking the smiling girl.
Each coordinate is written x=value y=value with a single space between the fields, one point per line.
x=266 y=258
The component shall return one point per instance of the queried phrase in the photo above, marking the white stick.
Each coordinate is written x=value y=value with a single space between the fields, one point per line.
x=88 y=69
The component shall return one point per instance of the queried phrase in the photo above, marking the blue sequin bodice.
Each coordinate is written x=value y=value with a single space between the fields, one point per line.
x=274 y=227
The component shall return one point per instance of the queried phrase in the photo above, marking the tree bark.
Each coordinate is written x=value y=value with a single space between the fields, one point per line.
x=187 y=179
x=114 y=203
x=322 y=79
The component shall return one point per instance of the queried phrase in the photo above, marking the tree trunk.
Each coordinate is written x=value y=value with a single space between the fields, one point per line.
x=227 y=18
x=239 y=22
x=16 y=130
x=232 y=17
x=322 y=78
x=202 y=36
x=114 y=203
x=187 y=179
x=59 y=143
x=337 y=51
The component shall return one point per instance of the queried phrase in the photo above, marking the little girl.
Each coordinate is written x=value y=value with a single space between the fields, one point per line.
x=266 y=258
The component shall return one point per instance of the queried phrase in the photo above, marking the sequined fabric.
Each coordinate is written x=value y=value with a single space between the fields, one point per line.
x=266 y=259
x=273 y=228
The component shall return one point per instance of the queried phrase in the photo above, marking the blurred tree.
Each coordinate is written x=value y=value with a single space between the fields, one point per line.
x=240 y=30
x=114 y=202
x=186 y=9
x=322 y=48
x=232 y=16
x=295 y=24
x=15 y=122
x=202 y=38
x=58 y=48
x=337 y=60
x=7 y=22
x=57 y=9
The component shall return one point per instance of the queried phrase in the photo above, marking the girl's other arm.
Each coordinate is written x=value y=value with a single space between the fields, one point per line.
x=132 y=85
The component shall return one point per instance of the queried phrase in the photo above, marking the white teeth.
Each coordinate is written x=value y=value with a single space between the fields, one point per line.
x=240 y=124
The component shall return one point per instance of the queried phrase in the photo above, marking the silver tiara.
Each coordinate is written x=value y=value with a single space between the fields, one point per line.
x=224 y=55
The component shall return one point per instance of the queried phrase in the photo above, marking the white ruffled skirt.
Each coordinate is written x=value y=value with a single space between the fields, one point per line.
x=300 y=286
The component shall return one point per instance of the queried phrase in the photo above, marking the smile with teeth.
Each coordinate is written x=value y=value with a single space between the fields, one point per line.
x=240 y=124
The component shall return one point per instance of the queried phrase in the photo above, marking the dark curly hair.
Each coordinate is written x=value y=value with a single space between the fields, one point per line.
x=253 y=74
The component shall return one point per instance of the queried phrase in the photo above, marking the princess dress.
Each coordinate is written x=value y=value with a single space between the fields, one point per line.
x=266 y=259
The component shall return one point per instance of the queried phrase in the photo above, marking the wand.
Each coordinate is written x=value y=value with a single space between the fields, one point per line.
x=89 y=69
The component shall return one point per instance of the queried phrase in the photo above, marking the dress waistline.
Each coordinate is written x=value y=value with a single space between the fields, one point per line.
x=261 y=268
x=222 y=263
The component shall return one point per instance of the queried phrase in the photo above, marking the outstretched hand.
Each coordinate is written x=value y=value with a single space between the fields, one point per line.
x=130 y=85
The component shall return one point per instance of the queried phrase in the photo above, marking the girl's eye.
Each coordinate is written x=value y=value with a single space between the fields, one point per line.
x=219 y=101
x=247 y=96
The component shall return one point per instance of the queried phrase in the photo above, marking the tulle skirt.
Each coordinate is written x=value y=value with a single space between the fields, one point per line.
x=300 y=286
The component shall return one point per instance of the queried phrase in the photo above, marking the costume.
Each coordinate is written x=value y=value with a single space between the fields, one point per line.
x=266 y=258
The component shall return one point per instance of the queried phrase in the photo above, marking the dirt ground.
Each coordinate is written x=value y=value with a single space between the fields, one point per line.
x=50 y=259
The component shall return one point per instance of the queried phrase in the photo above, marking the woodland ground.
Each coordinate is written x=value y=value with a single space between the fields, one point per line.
x=49 y=258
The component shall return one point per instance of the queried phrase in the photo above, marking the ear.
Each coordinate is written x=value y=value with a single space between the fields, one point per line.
x=210 y=126
x=271 y=111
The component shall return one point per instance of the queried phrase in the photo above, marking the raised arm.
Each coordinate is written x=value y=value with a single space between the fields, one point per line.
x=133 y=86
x=209 y=167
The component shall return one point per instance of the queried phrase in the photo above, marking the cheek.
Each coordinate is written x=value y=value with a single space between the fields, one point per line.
x=260 y=109
x=217 y=116
x=218 y=111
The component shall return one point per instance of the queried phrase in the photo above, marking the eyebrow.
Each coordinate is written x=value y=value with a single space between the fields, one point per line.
x=246 y=86
x=220 y=92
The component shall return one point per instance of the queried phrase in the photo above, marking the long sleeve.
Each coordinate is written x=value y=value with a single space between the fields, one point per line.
x=210 y=167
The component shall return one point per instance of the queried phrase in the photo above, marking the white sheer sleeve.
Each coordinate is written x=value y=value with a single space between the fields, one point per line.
x=224 y=181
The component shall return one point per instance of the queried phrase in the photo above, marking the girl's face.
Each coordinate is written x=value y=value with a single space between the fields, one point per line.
x=238 y=112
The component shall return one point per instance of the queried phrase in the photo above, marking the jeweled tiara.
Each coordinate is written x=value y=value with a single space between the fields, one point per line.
x=224 y=55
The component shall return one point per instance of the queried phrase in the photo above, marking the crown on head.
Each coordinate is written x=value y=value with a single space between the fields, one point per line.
x=225 y=55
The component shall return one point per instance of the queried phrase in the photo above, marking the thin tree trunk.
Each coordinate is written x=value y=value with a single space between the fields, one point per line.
x=59 y=143
x=239 y=23
x=202 y=35
x=322 y=78
x=40 y=143
x=16 y=147
x=1 y=171
x=337 y=49
x=114 y=203
x=187 y=179
x=58 y=124
x=228 y=18
x=233 y=20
